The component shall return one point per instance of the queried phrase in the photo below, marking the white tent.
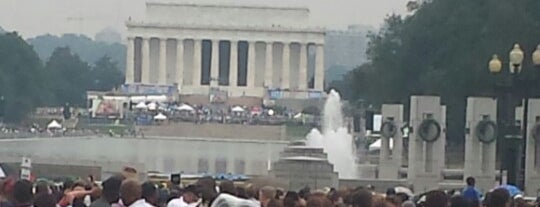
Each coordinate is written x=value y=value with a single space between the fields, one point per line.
x=377 y=145
x=54 y=125
x=160 y=117
x=141 y=105
x=237 y=109
x=152 y=106
x=185 y=107
x=2 y=173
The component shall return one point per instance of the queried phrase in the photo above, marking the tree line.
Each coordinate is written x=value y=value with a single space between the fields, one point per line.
x=27 y=82
x=443 y=49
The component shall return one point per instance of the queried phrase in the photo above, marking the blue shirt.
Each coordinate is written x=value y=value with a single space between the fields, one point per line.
x=471 y=193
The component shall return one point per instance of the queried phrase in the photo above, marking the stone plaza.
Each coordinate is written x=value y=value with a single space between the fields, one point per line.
x=201 y=47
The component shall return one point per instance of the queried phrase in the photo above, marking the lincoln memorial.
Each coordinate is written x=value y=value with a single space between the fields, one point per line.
x=245 y=51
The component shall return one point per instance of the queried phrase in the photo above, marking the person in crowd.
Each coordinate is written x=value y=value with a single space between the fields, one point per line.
x=266 y=194
x=279 y=194
x=227 y=186
x=190 y=197
x=207 y=187
x=42 y=187
x=498 y=198
x=252 y=195
x=360 y=198
x=408 y=204
x=6 y=195
x=44 y=199
x=22 y=193
x=275 y=203
x=131 y=194
x=241 y=193
x=150 y=193
x=470 y=192
x=317 y=200
x=110 y=192
x=436 y=198
x=461 y=201
x=292 y=199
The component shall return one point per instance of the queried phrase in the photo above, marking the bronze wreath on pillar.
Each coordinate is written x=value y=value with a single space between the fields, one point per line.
x=388 y=129
x=482 y=131
x=429 y=130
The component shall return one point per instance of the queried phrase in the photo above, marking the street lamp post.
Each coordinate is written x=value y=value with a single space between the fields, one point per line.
x=513 y=85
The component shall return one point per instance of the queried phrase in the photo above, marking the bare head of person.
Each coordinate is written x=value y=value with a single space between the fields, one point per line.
x=130 y=191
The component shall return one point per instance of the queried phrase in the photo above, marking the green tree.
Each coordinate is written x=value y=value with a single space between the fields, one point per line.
x=106 y=75
x=20 y=77
x=443 y=49
x=68 y=78
x=88 y=50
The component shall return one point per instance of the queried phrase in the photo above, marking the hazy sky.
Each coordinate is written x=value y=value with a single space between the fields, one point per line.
x=35 y=17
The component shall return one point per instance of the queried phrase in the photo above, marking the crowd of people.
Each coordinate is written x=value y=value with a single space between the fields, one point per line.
x=126 y=191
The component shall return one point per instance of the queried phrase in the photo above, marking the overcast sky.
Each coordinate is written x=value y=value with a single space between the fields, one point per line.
x=35 y=17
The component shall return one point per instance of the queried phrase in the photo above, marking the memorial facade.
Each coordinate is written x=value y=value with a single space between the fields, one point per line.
x=243 y=50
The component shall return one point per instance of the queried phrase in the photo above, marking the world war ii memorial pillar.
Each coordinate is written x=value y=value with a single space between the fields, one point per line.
x=390 y=158
x=480 y=142
x=532 y=155
x=427 y=142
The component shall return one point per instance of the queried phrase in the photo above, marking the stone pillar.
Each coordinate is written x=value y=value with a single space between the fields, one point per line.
x=251 y=70
x=130 y=60
x=286 y=61
x=532 y=153
x=233 y=64
x=389 y=165
x=302 y=73
x=179 y=63
x=162 y=61
x=268 y=70
x=197 y=50
x=426 y=155
x=145 y=53
x=319 y=68
x=214 y=68
x=480 y=155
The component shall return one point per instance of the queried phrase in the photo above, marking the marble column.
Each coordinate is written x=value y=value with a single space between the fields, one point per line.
x=285 y=70
x=268 y=70
x=145 y=53
x=302 y=73
x=197 y=50
x=233 y=64
x=251 y=70
x=179 y=63
x=319 y=68
x=214 y=68
x=162 y=61
x=130 y=58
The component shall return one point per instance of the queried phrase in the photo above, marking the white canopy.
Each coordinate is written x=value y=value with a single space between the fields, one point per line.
x=152 y=106
x=184 y=107
x=141 y=105
x=160 y=116
x=377 y=145
x=2 y=173
x=237 y=109
x=54 y=125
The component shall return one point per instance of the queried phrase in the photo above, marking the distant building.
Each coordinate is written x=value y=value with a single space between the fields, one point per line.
x=345 y=49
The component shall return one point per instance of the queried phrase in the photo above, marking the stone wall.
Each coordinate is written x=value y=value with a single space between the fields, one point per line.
x=214 y=130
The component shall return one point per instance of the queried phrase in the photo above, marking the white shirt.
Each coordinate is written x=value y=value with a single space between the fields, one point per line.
x=179 y=202
x=140 y=203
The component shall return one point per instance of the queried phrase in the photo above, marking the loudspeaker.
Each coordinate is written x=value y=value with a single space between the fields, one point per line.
x=357 y=123
x=176 y=179
x=369 y=120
